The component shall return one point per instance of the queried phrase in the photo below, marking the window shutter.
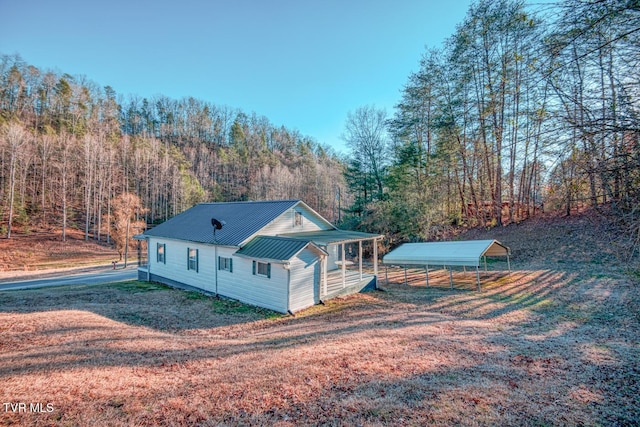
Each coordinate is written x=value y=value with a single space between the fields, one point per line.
x=188 y=260
x=219 y=263
x=254 y=268
x=164 y=253
x=230 y=265
x=197 y=260
x=269 y=270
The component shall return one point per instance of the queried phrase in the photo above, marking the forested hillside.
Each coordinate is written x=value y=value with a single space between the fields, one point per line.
x=70 y=147
x=525 y=108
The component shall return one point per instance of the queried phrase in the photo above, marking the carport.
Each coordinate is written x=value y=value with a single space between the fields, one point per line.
x=465 y=253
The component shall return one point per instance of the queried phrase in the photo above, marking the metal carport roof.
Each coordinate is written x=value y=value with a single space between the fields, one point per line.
x=463 y=253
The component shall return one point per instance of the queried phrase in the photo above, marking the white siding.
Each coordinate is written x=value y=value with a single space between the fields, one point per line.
x=175 y=267
x=222 y=275
x=239 y=284
x=304 y=280
x=285 y=223
x=244 y=286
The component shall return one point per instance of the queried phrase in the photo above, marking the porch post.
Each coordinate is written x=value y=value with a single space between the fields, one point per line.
x=375 y=257
x=360 y=257
x=325 y=261
x=148 y=260
x=344 y=267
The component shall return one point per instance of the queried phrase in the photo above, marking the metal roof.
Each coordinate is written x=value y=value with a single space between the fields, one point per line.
x=242 y=221
x=325 y=237
x=466 y=252
x=274 y=248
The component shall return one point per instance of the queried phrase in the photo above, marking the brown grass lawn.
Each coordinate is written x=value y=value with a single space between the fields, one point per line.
x=44 y=250
x=542 y=346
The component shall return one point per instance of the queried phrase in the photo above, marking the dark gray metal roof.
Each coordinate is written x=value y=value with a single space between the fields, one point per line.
x=325 y=237
x=274 y=248
x=242 y=220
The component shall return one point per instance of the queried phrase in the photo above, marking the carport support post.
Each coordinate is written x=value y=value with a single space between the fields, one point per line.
x=478 y=276
x=426 y=270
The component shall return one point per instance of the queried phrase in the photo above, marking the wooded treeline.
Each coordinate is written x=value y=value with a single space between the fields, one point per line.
x=68 y=148
x=523 y=108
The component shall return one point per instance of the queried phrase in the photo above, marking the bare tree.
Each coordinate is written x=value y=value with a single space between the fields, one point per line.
x=366 y=135
x=127 y=210
x=15 y=137
x=46 y=147
x=66 y=143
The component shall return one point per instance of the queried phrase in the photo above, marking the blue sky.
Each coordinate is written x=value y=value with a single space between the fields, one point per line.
x=303 y=64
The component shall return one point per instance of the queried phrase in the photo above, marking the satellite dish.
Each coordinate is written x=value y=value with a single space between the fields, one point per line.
x=217 y=224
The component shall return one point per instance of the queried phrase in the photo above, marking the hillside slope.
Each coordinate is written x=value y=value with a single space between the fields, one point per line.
x=45 y=250
x=552 y=241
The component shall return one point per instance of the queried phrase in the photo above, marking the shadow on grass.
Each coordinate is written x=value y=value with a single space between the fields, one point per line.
x=500 y=294
x=542 y=298
x=412 y=353
x=136 y=303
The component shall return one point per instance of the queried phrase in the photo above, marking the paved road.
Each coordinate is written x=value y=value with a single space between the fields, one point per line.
x=105 y=275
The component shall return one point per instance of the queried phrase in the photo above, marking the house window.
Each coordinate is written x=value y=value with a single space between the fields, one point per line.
x=297 y=219
x=225 y=264
x=262 y=269
x=160 y=252
x=192 y=263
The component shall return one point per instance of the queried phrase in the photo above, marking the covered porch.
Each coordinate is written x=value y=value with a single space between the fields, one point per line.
x=341 y=271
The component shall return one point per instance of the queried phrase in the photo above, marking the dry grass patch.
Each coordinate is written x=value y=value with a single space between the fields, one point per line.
x=44 y=250
x=542 y=348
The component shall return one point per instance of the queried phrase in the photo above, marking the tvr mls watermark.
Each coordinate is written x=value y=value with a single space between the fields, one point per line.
x=23 y=407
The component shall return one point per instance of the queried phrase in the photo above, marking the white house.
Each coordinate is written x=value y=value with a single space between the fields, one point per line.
x=281 y=255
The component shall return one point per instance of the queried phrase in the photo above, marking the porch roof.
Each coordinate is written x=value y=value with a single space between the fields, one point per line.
x=333 y=237
x=275 y=248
